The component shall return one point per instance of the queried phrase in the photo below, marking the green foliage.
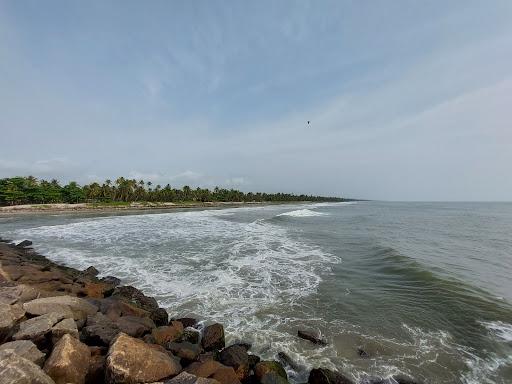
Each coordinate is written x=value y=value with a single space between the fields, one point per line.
x=29 y=190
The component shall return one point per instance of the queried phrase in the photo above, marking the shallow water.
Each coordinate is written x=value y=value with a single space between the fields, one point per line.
x=424 y=288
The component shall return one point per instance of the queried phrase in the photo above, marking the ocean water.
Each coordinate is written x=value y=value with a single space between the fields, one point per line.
x=424 y=288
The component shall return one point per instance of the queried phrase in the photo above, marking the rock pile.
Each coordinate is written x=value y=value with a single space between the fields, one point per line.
x=61 y=325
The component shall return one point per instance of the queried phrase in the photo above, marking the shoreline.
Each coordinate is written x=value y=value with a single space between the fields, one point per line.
x=132 y=207
x=59 y=325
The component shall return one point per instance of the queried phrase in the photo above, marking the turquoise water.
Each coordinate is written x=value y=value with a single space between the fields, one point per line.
x=423 y=288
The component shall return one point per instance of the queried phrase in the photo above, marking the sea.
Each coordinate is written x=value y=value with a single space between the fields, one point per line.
x=424 y=289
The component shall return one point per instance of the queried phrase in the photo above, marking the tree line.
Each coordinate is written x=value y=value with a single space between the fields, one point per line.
x=30 y=190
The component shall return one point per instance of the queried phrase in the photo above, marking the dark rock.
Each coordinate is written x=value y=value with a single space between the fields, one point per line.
x=204 y=368
x=184 y=350
x=362 y=353
x=326 y=376
x=245 y=346
x=190 y=335
x=264 y=367
x=96 y=370
x=311 y=337
x=188 y=322
x=287 y=360
x=253 y=360
x=273 y=378
x=236 y=356
x=213 y=337
x=99 y=330
x=136 y=297
x=91 y=271
x=400 y=379
x=112 y=280
x=24 y=243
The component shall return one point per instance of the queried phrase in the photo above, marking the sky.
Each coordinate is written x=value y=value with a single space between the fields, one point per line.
x=407 y=100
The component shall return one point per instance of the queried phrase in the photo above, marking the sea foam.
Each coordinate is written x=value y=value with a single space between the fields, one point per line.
x=302 y=213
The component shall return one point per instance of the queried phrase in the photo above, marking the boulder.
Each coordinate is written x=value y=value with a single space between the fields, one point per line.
x=25 y=349
x=205 y=368
x=64 y=327
x=91 y=271
x=226 y=375
x=111 y=280
x=37 y=327
x=99 y=330
x=17 y=294
x=115 y=307
x=213 y=337
x=187 y=378
x=24 y=243
x=135 y=326
x=15 y=369
x=326 y=376
x=97 y=289
x=264 y=367
x=76 y=305
x=131 y=360
x=184 y=350
x=169 y=333
x=69 y=361
x=311 y=336
x=191 y=335
x=287 y=360
x=236 y=356
x=187 y=322
x=136 y=297
x=9 y=317
x=273 y=378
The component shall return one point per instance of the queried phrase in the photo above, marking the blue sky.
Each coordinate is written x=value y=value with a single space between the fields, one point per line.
x=408 y=100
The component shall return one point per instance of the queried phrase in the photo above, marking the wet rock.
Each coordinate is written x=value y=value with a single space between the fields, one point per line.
x=64 y=327
x=37 y=327
x=253 y=360
x=15 y=369
x=246 y=346
x=188 y=322
x=362 y=353
x=287 y=360
x=69 y=361
x=111 y=280
x=236 y=356
x=326 y=376
x=264 y=367
x=24 y=243
x=91 y=271
x=96 y=370
x=136 y=297
x=205 y=368
x=184 y=350
x=135 y=326
x=273 y=378
x=99 y=330
x=25 y=349
x=314 y=338
x=226 y=375
x=191 y=335
x=213 y=337
x=169 y=333
x=187 y=378
x=131 y=360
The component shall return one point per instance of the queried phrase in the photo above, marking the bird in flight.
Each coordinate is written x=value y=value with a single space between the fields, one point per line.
x=308 y=122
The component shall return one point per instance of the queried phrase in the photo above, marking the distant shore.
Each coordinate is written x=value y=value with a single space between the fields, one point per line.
x=133 y=206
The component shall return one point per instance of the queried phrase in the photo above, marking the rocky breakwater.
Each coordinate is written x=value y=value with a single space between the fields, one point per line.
x=61 y=325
